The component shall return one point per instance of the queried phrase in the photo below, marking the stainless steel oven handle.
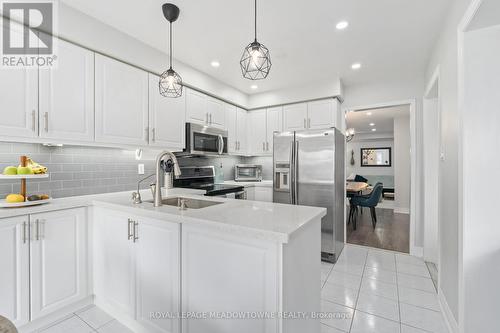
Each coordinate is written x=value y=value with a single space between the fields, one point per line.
x=221 y=145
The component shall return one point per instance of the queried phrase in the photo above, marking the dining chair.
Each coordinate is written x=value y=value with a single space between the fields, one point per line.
x=371 y=201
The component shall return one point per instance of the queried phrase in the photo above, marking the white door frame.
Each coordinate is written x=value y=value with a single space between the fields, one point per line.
x=414 y=250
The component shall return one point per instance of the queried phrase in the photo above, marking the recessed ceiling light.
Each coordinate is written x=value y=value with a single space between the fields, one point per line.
x=368 y=113
x=215 y=63
x=254 y=86
x=372 y=124
x=374 y=129
x=342 y=25
x=356 y=66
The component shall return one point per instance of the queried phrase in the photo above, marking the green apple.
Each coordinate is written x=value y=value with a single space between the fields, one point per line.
x=10 y=170
x=24 y=170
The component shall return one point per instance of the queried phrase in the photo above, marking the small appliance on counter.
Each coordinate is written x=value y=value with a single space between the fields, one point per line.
x=248 y=173
x=203 y=178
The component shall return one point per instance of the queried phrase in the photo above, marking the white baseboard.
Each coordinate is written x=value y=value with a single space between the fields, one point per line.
x=401 y=210
x=417 y=251
x=449 y=319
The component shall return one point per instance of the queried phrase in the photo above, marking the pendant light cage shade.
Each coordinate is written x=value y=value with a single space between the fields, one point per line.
x=255 y=62
x=170 y=84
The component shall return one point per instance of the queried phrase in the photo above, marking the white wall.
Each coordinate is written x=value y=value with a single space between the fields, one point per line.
x=481 y=138
x=402 y=164
x=82 y=29
x=370 y=171
x=445 y=54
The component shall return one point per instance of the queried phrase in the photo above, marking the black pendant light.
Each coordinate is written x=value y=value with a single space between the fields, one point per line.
x=170 y=82
x=255 y=62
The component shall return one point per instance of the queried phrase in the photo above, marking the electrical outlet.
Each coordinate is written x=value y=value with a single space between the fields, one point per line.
x=140 y=169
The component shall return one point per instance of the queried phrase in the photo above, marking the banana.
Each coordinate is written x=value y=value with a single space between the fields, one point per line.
x=38 y=169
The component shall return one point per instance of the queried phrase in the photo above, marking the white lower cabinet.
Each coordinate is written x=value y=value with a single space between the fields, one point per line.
x=58 y=260
x=225 y=274
x=44 y=263
x=14 y=276
x=263 y=194
x=137 y=269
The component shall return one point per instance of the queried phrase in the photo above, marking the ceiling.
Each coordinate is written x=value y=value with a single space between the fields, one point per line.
x=392 y=39
x=383 y=119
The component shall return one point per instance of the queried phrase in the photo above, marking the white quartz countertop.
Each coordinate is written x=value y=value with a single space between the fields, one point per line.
x=264 y=220
x=264 y=183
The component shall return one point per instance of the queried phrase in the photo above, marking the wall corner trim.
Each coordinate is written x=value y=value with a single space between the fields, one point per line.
x=449 y=319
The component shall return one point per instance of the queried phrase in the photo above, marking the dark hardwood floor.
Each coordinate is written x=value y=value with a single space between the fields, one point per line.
x=392 y=231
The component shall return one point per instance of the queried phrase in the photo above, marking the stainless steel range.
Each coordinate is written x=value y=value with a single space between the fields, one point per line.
x=202 y=178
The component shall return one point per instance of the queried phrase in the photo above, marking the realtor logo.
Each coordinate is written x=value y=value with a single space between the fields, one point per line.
x=27 y=35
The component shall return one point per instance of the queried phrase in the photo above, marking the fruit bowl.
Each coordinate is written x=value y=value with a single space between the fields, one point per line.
x=4 y=204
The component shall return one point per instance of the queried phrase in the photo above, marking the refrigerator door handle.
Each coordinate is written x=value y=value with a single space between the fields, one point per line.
x=292 y=180
x=296 y=173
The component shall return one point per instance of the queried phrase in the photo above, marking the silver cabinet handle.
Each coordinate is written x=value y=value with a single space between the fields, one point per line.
x=24 y=233
x=153 y=133
x=305 y=123
x=129 y=229
x=263 y=146
x=33 y=120
x=46 y=117
x=207 y=118
x=136 y=237
x=41 y=229
x=146 y=130
x=267 y=146
x=308 y=122
x=37 y=227
x=239 y=145
x=210 y=119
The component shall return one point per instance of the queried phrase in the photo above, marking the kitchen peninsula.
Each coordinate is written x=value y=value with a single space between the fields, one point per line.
x=229 y=266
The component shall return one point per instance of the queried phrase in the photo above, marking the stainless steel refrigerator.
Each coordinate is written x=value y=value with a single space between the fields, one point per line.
x=309 y=170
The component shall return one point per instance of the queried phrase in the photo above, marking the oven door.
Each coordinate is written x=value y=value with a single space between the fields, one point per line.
x=204 y=140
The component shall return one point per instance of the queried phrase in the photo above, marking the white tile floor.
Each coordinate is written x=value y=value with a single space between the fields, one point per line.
x=378 y=291
x=88 y=320
x=367 y=290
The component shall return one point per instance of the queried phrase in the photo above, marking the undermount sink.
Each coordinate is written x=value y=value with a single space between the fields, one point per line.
x=187 y=203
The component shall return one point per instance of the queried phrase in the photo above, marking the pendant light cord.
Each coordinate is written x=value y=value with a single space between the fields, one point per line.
x=170 y=45
x=255 y=18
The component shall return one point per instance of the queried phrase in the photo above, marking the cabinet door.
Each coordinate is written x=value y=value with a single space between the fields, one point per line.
x=19 y=98
x=67 y=95
x=274 y=124
x=256 y=121
x=321 y=114
x=158 y=273
x=114 y=263
x=58 y=260
x=241 y=125
x=224 y=273
x=121 y=102
x=295 y=117
x=263 y=194
x=167 y=118
x=232 y=128
x=216 y=114
x=14 y=278
x=196 y=107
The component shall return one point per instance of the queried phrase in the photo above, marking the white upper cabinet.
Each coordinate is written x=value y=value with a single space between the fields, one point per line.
x=311 y=115
x=14 y=278
x=232 y=128
x=204 y=110
x=58 y=260
x=295 y=117
x=216 y=113
x=241 y=130
x=67 y=95
x=321 y=114
x=19 y=100
x=196 y=107
x=121 y=103
x=257 y=135
x=167 y=118
x=274 y=124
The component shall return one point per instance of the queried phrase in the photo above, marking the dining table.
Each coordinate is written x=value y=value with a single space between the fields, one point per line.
x=353 y=188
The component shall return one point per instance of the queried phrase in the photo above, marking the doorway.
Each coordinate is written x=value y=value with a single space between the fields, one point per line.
x=379 y=177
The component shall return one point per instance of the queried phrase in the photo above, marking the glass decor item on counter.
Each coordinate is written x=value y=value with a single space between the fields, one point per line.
x=219 y=175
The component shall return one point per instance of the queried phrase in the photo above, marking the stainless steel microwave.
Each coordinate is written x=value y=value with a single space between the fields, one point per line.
x=247 y=172
x=205 y=140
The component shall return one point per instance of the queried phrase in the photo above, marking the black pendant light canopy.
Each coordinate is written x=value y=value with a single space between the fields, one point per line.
x=255 y=62
x=170 y=82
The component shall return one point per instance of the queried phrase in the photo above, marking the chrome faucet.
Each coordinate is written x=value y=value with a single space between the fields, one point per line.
x=177 y=172
x=136 y=196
